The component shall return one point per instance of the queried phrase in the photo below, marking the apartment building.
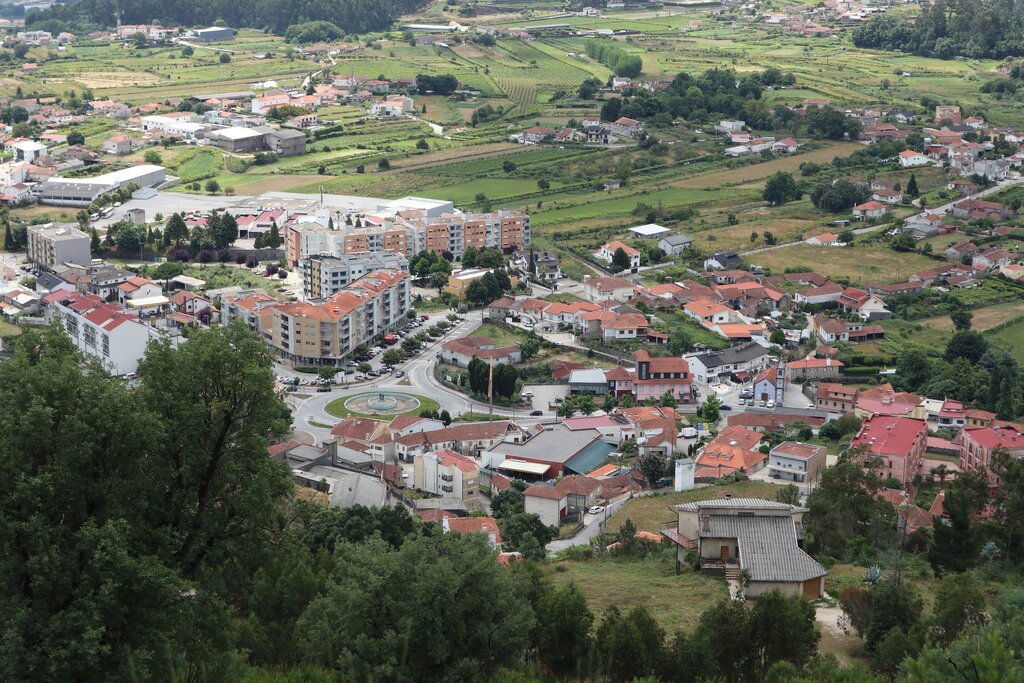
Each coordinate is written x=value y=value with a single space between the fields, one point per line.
x=449 y=475
x=894 y=445
x=409 y=232
x=326 y=331
x=324 y=275
x=50 y=245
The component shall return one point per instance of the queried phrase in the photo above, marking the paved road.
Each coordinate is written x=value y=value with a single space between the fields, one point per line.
x=591 y=528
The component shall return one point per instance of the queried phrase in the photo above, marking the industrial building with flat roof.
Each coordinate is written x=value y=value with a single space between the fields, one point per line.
x=84 y=191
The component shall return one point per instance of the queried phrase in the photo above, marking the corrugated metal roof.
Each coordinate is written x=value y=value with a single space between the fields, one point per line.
x=767 y=547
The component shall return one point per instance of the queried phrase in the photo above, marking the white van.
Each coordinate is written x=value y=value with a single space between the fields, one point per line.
x=688 y=433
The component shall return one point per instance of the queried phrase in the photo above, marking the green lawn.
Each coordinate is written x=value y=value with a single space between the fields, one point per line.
x=676 y=601
x=8 y=330
x=650 y=512
x=502 y=336
x=337 y=406
x=1012 y=338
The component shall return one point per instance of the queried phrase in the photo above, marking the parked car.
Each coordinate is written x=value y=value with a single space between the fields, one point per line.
x=725 y=406
x=595 y=509
x=771 y=404
x=537 y=413
x=400 y=373
x=360 y=377
x=763 y=403
x=810 y=406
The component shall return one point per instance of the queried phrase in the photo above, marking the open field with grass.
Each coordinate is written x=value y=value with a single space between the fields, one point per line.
x=984 y=318
x=650 y=512
x=1010 y=338
x=675 y=600
x=862 y=264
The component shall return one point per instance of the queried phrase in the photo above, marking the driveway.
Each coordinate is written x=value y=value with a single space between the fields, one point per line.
x=591 y=528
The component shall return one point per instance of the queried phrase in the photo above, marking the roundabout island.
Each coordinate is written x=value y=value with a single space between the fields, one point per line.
x=379 y=404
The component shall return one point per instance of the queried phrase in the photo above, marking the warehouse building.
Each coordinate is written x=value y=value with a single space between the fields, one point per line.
x=84 y=191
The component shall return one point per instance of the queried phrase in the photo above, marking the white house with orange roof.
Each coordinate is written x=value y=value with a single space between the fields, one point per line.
x=137 y=288
x=607 y=252
x=447 y=474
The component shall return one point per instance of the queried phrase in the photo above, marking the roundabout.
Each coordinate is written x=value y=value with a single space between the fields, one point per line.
x=379 y=404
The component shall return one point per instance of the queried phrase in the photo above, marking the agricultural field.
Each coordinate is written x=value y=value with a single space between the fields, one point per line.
x=860 y=264
x=1010 y=338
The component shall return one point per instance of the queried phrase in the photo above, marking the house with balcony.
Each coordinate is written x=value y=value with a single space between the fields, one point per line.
x=447 y=474
x=796 y=462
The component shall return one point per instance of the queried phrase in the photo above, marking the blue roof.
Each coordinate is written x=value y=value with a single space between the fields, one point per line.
x=590 y=458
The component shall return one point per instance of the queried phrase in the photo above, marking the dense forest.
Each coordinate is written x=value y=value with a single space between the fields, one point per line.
x=354 y=16
x=991 y=29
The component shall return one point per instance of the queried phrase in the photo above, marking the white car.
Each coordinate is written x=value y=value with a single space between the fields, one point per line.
x=809 y=406
x=771 y=404
x=742 y=402
x=595 y=509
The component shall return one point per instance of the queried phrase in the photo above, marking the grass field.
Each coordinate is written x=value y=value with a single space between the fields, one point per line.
x=1011 y=338
x=650 y=512
x=337 y=406
x=9 y=330
x=862 y=264
x=502 y=336
x=676 y=601
x=984 y=318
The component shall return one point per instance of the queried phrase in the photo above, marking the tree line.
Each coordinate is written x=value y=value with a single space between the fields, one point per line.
x=978 y=29
x=351 y=16
x=614 y=57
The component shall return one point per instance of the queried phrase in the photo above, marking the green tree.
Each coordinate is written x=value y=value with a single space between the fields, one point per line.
x=620 y=260
x=780 y=188
x=563 y=630
x=153 y=157
x=959 y=605
x=710 y=410
x=845 y=506
x=212 y=186
x=894 y=605
x=778 y=337
x=955 y=543
x=175 y=231
x=679 y=341
x=784 y=630
x=627 y=646
x=370 y=629
x=224 y=58
x=903 y=242
x=526 y=533
x=75 y=138
x=788 y=494
x=585 y=404
x=543 y=185
x=961 y=318
x=966 y=344
x=505 y=376
x=653 y=467
x=507 y=503
x=912 y=189
x=530 y=346
x=393 y=357
x=95 y=247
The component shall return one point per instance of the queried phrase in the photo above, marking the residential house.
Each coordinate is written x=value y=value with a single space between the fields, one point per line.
x=460 y=352
x=992 y=258
x=867 y=306
x=797 y=462
x=723 y=260
x=535 y=135
x=740 y=362
x=607 y=253
x=835 y=398
x=813 y=368
x=870 y=210
x=626 y=127
x=657 y=376
x=567 y=499
x=750 y=536
x=977 y=208
x=118 y=145
x=911 y=158
x=827 y=239
x=961 y=251
x=831 y=330
x=601 y=289
x=673 y=245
